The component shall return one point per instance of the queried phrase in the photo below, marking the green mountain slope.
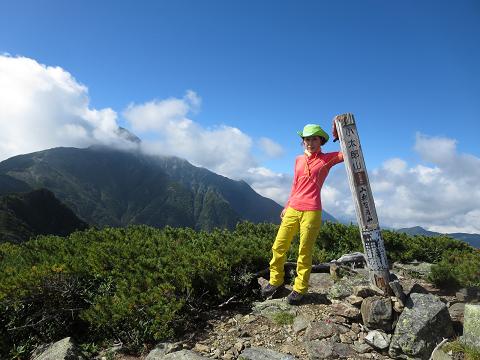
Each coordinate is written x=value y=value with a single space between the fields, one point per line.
x=35 y=213
x=107 y=187
x=115 y=188
x=9 y=185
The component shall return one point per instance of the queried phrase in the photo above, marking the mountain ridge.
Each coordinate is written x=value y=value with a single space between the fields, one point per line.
x=38 y=212
x=108 y=187
x=472 y=239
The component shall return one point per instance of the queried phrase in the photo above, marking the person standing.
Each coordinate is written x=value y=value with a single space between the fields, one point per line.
x=303 y=212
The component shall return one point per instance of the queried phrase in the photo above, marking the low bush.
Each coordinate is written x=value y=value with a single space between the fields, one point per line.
x=140 y=285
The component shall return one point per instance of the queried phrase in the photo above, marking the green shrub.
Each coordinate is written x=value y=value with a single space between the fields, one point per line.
x=457 y=269
x=140 y=285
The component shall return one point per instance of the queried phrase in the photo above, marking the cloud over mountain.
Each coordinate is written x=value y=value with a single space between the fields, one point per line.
x=44 y=106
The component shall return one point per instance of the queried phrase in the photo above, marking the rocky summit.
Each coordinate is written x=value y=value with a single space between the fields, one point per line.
x=340 y=318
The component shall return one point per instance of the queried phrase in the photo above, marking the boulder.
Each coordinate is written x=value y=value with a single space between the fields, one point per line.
x=344 y=287
x=424 y=322
x=377 y=313
x=64 y=349
x=471 y=326
x=346 y=310
x=163 y=348
x=259 y=353
x=319 y=330
x=329 y=349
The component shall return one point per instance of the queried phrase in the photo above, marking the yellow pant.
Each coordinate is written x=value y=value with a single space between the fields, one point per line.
x=308 y=223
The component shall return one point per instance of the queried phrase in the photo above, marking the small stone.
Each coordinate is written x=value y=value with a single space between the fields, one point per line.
x=346 y=339
x=238 y=346
x=378 y=339
x=456 y=312
x=299 y=324
x=217 y=353
x=201 y=348
x=361 y=348
x=356 y=328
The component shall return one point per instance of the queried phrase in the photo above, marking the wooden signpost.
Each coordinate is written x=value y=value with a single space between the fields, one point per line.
x=365 y=207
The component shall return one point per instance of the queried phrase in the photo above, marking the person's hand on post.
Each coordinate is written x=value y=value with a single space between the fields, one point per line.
x=334 y=131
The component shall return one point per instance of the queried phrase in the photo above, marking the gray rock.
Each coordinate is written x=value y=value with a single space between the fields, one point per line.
x=259 y=353
x=299 y=324
x=328 y=349
x=378 y=339
x=361 y=348
x=346 y=310
x=471 y=326
x=270 y=307
x=377 y=313
x=456 y=312
x=177 y=355
x=320 y=330
x=64 y=349
x=163 y=348
x=320 y=282
x=344 y=287
x=422 y=324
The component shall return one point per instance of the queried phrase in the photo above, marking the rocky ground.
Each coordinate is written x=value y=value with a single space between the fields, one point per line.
x=328 y=324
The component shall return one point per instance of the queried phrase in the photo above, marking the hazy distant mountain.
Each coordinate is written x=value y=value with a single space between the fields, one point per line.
x=472 y=239
x=35 y=213
x=109 y=187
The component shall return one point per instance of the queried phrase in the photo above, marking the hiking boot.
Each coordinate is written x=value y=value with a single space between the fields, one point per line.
x=270 y=290
x=294 y=298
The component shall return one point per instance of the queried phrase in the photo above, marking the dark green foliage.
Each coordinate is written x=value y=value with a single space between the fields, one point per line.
x=457 y=269
x=142 y=285
x=138 y=284
x=38 y=212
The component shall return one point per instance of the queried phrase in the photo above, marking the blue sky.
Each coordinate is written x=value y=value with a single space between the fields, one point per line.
x=407 y=70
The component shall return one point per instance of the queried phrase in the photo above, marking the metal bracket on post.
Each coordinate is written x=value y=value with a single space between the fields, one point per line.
x=364 y=204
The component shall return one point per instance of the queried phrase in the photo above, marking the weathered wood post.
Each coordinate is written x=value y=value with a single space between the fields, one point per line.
x=365 y=207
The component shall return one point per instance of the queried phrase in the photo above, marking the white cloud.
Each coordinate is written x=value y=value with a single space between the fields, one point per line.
x=43 y=107
x=223 y=149
x=442 y=196
x=270 y=147
x=273 y=185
